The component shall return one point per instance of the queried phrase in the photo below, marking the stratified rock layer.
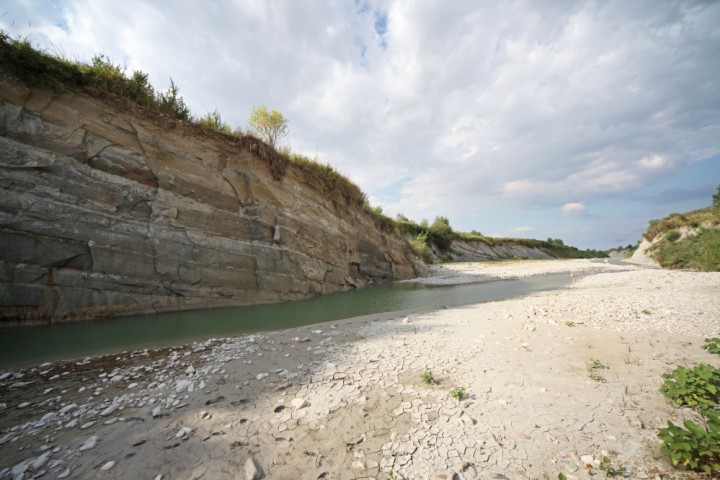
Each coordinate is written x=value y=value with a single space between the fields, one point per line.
x=109 y=211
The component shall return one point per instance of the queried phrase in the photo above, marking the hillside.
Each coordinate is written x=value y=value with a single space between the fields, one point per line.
x=688 y=240
x=109 y=208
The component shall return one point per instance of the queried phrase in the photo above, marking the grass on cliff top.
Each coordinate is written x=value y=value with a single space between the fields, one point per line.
x=39 y=68
x=707 y=217
x=700 y=250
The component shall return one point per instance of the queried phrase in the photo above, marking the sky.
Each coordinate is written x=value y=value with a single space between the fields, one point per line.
x=579 y=120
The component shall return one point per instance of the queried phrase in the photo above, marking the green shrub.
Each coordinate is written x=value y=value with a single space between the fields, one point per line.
x=440 y=233
x=419 y=246
x=672 y=236
x=428 y=378
x=459 y=393
x=593 y=368
x=712 y=345
x=698 y=387
x=695 y=447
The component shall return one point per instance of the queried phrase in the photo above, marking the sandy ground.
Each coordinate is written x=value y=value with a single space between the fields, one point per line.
x=345 y=399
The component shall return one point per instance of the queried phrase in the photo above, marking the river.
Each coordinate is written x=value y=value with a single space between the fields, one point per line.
x=20 y=346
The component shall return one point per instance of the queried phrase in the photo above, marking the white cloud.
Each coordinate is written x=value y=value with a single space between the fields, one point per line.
x=573 y=208
x=475 y=111
x=654 y=162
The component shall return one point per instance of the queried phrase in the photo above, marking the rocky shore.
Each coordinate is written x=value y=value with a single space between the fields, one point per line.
x=346 y=400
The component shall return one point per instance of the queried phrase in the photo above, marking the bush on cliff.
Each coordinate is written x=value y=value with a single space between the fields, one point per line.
x=699 y=249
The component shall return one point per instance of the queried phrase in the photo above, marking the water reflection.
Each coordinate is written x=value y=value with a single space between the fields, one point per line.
x=22 y=345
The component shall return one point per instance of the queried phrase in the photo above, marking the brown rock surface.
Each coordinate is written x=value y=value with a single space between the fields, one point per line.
x=108 y=211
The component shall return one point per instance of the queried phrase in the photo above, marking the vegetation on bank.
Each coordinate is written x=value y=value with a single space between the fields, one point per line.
x=101 y=76
x=698 y=248
x=440 y=234
x=692 y=445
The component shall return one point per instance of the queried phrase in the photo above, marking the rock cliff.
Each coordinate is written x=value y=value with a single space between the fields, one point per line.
x=479 y=251
x=108 y=210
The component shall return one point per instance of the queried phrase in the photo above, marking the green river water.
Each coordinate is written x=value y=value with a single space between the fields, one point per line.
x=27 y=345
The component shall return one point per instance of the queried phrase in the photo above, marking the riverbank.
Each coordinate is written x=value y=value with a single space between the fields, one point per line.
x=345 y=399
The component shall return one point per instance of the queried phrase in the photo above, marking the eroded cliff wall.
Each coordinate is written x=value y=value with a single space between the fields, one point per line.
x=106 y=210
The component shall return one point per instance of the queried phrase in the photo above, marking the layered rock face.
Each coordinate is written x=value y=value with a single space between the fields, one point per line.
x=477 y=251
x=109 y=211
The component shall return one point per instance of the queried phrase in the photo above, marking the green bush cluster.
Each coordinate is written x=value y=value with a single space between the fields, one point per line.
x=459 y=393
x=694 y=445
x=694 y=387
x=698 y=252
x=420 y=247
x=712 y=345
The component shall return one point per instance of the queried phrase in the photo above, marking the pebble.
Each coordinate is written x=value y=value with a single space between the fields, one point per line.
x=253 y=470
x=89 y=443
x=64 y=474
x=39 y=461
x=182 y=385
x=108 y=465
x=183 y=432
x=109 y=410
x=260 y=376
x=299 y=403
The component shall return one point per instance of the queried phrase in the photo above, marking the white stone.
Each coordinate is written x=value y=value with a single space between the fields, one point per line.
x=20 y=468
x=67 y=409
x=156 y=411
x=24 y=404
x=89 y=443
x=253 y=470
x=108 y=465
x=109 y=410
x=183 y=432
x=299 y=403
x=39 y=461
x=190 y=370
x=48 y=417
x=64 y=474
x=587 y=459
x=182 y=385
x=260 y=376
x=87 y=425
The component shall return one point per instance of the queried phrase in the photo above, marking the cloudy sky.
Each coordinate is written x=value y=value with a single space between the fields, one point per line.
x=564 y=119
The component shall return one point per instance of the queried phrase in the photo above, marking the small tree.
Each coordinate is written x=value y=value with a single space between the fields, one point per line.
x=716 y=198
x=440 y=233
x=268 y=125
